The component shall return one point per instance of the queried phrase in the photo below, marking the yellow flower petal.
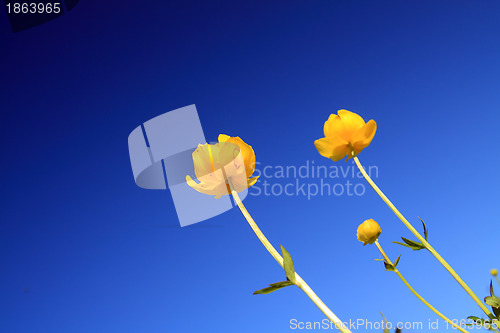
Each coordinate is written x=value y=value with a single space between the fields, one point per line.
x=208 y=186
x=203 y=164
x=363 y=136
x=343 y=125
x=224 y=155
x=246 y=151
x=333 y=149
x=324 y=147
x=230 y=161
x=350 y=119
x=335 y=129
x=223 y=137
x=332 y=126
x=252 y=181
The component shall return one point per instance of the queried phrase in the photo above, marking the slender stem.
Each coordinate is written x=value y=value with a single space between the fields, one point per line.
x=300 y=282
x=423 y=240
x=415 y=293
x=498 y=280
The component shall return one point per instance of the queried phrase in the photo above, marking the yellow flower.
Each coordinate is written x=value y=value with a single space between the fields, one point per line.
x=229 y=160
x=494 y=272
x=368 y=232
x=345 y=134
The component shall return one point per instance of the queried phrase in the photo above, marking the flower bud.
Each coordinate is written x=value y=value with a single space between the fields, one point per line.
x=368 y=232
x=494 y=272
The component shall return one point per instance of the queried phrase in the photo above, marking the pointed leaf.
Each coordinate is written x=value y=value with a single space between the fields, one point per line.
x=396 y=262
x=282 y=284
x=477 y=320
x=411 y=244
x=492 y=301
x=388 y=267
x=474 y=318
x=425 y=228
x=273 y=287
x=495 y=308
x=414 y=248
x=266 y=290
x=481 y=321
x=403 y=244
x=496 y=311
x=288 y=265
x=386 y=329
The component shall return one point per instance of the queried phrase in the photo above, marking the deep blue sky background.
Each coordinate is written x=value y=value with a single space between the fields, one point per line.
x=83 y=249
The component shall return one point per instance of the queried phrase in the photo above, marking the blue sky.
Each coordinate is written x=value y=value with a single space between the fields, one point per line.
x=83 y=249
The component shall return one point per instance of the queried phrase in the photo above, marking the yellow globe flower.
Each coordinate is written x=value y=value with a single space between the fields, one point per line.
x=345 y=134
x=229 y=160
x=368 y=232
x=494 y=272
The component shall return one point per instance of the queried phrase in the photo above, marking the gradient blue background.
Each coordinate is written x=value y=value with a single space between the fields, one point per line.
x=83 y=249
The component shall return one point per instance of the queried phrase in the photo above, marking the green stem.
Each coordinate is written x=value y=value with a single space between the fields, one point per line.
x=417 y=294
x=300 y=282
x=423 y=240
x=498 y=280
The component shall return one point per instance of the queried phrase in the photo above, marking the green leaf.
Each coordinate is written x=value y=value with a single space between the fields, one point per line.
x=388 y=267
x=396 y=262
x=282 y=284
x=386 y=330
x=273 y=287
x=411 y=244
x=391 y=268
x=492 y=301
x=288 y=265
x=496 y=311
x=404 y=245
x=477 y=320
x=425 y=228
x=267 y=290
